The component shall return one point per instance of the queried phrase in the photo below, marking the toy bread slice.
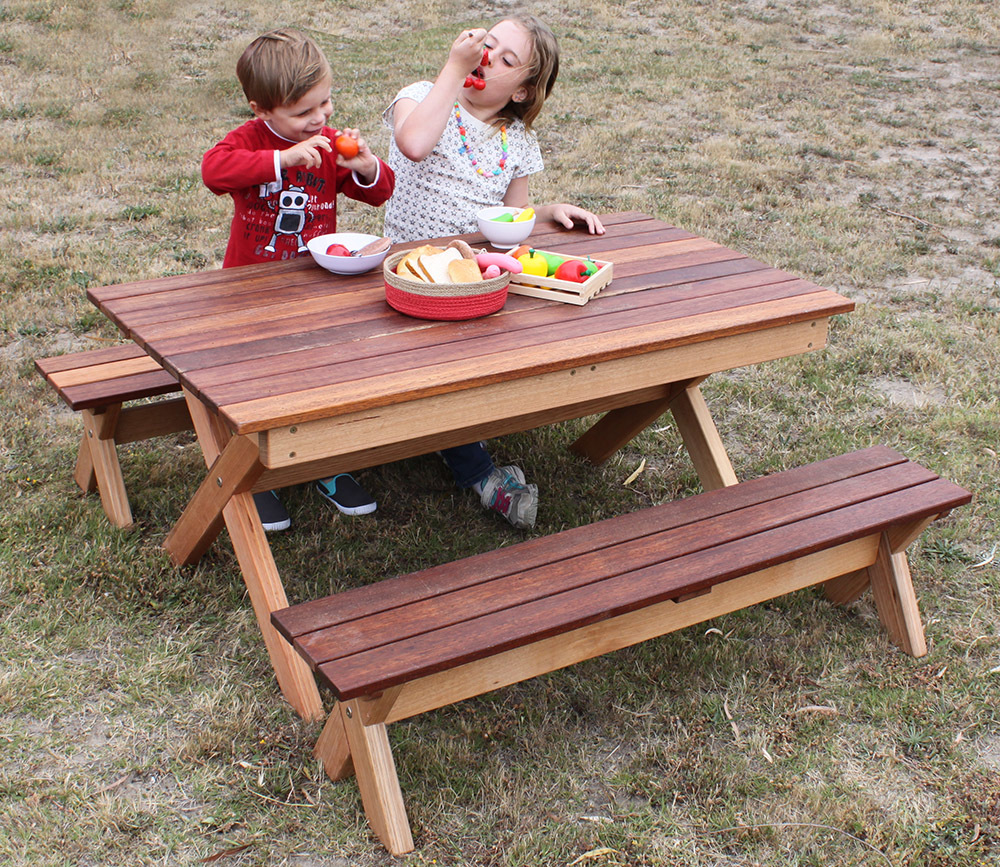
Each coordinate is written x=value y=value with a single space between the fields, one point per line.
x=409 y=269
x=464 y=271
x=413 y=255
x=435 y=266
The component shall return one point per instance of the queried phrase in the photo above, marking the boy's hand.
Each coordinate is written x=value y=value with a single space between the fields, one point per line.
x=308 y=153
x=365 y=165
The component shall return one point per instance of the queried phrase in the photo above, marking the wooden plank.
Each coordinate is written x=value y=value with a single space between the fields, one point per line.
x=490 y=408
x=439 y=649
x=759 y=324
x=895 y=599
x=377 y=780
x=532 y=553
x=260 y=574
x=408 y=353
x=87 y=358
x=513 y=666
x=564 y=574
x=702 y=440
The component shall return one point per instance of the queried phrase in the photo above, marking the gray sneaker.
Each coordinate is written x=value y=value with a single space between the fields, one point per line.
x=504 y=491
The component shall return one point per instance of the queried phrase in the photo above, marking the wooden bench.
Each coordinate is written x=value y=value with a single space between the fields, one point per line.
x=96 y=384
x=427 y=639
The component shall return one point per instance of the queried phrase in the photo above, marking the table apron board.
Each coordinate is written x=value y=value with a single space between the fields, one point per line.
x=598 y=386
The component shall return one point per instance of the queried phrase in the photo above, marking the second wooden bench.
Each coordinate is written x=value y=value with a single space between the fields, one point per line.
x=420 y=641
x=97 y=383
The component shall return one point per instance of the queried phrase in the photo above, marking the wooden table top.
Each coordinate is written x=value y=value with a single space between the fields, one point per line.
x=274 y=345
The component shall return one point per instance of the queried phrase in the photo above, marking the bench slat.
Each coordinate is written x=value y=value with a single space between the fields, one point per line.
x=102 y=377
x=402 y=590
x=382 y=667
x=633 y=555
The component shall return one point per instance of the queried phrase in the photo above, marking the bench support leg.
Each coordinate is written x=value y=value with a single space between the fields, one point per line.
x=332 y=748
x=104 y=469
x=375 y=770
x=895 y=599
x=694 y=421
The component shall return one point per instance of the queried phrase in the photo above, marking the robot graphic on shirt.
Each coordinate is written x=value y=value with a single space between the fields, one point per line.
x=291 y=217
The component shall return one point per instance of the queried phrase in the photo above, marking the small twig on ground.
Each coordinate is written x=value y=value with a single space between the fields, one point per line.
x=903 y=216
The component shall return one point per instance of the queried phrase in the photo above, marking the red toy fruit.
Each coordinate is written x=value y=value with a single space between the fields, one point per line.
x=572 y=270
x=346 y=146
x=337 y=250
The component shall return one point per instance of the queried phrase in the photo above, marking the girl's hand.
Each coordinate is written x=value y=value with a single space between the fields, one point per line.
x=467 y=51
x=308 y=153
x=364 y=164
x=567 y=215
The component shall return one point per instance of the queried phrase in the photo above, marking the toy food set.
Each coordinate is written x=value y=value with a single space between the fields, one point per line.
x=457 y=282
x=452 y=282
x=572 y=279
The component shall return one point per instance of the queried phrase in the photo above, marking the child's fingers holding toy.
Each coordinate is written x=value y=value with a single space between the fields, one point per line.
x=306 y=153
x=467 y=50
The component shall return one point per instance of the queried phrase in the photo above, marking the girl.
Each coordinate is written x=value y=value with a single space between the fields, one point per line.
x=457 y=149
x=463 y=143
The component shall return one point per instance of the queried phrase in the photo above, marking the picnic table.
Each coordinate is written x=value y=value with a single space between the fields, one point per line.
x=291 y=373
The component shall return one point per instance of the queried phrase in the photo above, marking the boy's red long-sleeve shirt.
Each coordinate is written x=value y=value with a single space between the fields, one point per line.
x=277 y=210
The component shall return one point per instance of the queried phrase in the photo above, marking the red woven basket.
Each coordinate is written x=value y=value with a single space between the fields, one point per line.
x=442 y=300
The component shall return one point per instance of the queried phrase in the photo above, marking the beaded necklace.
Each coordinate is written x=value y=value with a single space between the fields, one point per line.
x=465 y=149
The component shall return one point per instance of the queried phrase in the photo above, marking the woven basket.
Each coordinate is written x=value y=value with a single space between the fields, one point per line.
x=442 y=300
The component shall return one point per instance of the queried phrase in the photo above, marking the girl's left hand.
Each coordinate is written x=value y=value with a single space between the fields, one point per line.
x=567 y=215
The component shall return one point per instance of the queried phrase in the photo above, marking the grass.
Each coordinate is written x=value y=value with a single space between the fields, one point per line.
x=854 y=144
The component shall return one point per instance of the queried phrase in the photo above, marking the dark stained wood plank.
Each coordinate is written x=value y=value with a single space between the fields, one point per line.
x=565 y=574
x=404 y=589
x=87 y=358
x=119 y=390
x=409 y=353
x=320 y=400
x=388 y=665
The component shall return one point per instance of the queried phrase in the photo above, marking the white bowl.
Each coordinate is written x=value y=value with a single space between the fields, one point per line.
x=504 y=235
x=345 y=264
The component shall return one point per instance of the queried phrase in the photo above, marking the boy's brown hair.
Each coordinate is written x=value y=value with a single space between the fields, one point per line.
x=542 y=70
x=280 y=67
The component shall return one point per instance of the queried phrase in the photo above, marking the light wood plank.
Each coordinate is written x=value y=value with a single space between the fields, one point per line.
x=375 y=771
x=896 y=600
x=702 y=440
x=103 y=458
x=491 y=404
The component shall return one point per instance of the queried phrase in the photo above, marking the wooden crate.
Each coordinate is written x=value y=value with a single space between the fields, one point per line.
x=562 y=290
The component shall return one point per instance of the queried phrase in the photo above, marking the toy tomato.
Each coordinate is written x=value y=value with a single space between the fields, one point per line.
x=346 y=146
x=337 y=250
x=572 y=270
x=534 y=263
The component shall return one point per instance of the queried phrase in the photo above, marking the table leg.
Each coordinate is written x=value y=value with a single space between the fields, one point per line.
x=702 y=440
x=694 y=421
x=260 y=573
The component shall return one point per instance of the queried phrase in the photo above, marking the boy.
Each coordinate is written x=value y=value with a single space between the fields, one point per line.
x=284 y=174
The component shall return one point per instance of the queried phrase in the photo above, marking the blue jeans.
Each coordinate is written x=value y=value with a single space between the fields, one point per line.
x=469 y=463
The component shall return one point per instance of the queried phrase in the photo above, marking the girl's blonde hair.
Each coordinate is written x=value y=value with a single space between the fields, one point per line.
x=280 y=67
x=542 y=70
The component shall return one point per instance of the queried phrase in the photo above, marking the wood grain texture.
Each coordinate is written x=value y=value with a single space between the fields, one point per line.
x=425 y=622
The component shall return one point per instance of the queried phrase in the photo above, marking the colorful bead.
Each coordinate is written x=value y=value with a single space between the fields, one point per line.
x=465 y=149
